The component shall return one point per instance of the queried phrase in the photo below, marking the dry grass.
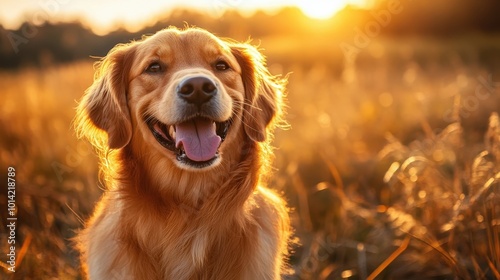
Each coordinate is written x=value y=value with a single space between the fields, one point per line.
x=54 y=172
x=379 y=190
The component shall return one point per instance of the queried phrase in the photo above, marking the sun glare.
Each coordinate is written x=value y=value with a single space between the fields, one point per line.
x=324 y=9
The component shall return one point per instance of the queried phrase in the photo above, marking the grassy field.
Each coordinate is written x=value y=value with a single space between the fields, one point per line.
x=391 y=165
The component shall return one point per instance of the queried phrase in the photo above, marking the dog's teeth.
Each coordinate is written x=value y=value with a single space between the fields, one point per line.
x=171 y=131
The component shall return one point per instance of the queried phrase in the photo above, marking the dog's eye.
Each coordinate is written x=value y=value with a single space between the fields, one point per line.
x=221 y=65
x=155 y=67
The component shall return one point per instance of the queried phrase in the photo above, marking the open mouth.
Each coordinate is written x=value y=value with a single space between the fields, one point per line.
x=195 y=142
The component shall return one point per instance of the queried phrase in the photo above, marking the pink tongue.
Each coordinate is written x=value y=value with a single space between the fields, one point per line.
x=198 y=138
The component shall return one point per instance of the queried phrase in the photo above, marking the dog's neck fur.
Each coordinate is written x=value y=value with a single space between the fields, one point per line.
x=196 y=210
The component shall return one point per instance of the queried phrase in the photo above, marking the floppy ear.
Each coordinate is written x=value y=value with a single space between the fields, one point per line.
x=263 y=92
x=104 y=106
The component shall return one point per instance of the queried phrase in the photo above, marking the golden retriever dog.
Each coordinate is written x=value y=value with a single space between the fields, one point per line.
x=182 y=121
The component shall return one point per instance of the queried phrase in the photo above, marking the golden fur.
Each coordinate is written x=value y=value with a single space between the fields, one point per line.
x=159 y=219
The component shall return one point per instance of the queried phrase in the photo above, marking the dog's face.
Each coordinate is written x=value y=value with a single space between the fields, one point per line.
x=184 y=94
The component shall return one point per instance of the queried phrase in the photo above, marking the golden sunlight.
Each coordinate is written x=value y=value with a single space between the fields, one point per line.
x=323 y=9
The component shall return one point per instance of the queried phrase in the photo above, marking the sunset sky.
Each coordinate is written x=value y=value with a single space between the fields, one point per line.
x=103 y=15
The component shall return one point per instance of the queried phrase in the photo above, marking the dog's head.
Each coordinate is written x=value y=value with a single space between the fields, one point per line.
x=184 y=94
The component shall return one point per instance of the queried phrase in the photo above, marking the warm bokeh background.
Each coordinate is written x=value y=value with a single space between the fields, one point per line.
x=392 y=162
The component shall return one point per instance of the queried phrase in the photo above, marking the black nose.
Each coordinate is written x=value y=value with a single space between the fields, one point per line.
x=197 y=90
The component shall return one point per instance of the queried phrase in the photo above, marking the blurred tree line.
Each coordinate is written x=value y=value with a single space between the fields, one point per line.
x=49 y=43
